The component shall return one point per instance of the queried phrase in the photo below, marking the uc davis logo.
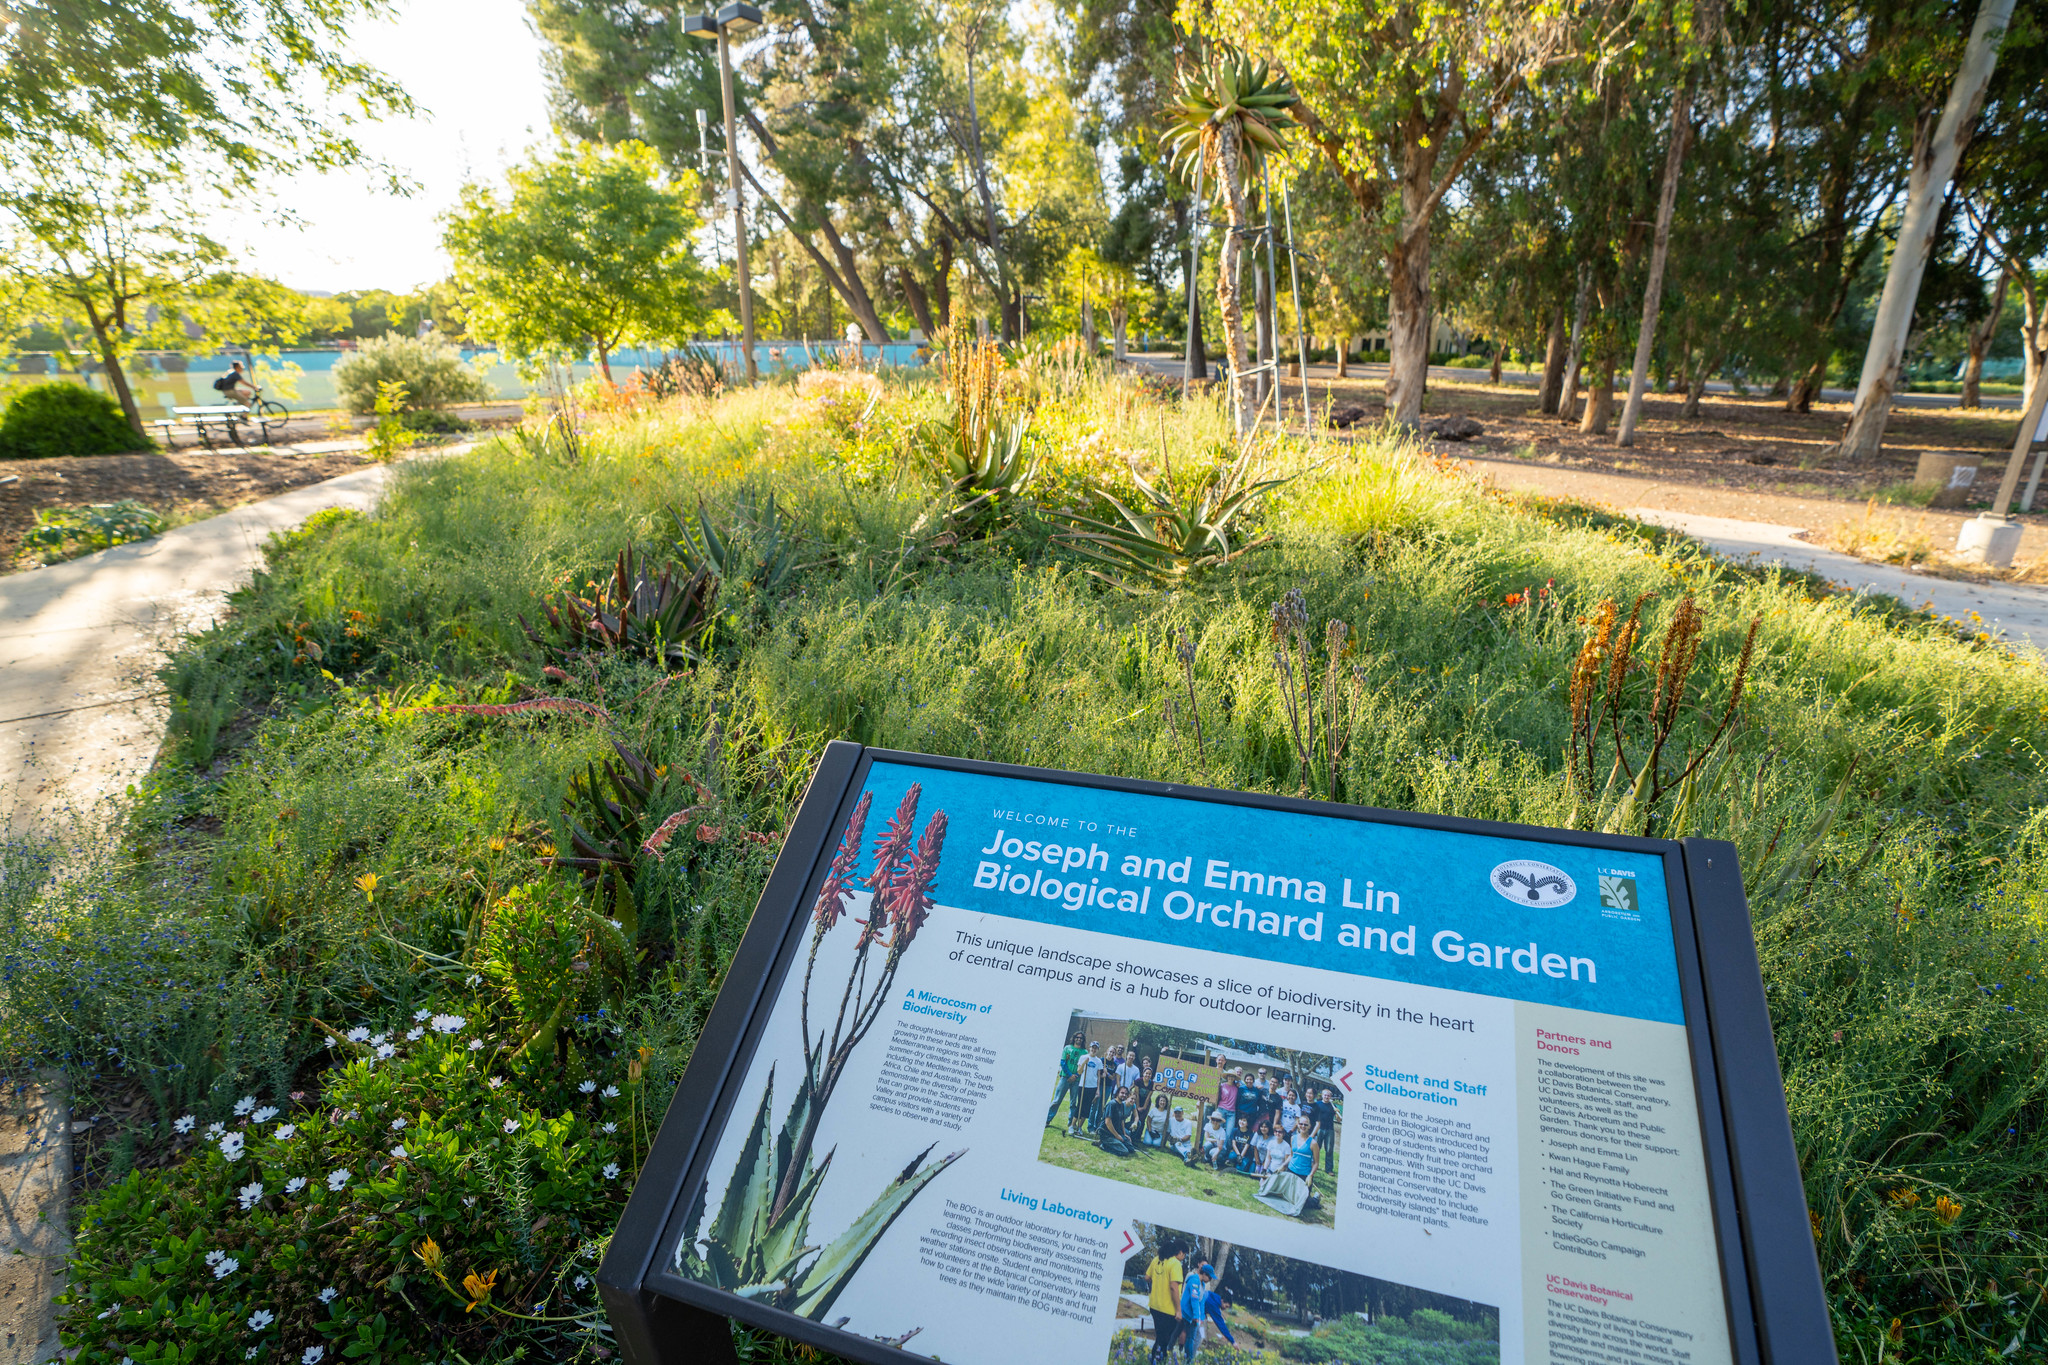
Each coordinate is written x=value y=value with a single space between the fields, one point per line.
x=1528 y=882
x=1618 y=892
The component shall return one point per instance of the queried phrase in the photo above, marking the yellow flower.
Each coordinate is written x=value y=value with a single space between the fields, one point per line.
x=367 y=884
x=479 y=1288
x=497 y=844
x=1904 y=1198
x=429 y=1253
x=1947 y=1209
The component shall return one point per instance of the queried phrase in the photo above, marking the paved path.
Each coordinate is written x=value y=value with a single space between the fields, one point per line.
x=1764 y=528
x=81 y=713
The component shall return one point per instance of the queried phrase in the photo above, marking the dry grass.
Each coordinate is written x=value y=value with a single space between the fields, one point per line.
x=1893 y=538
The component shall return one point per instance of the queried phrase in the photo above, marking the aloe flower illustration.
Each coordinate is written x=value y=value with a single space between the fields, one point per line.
x=759 y=1244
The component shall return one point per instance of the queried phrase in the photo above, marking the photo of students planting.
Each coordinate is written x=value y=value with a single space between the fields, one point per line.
x=1188 y=1297
x=1224 y=1120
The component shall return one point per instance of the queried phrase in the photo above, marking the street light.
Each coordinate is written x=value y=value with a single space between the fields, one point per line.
x=737 y=18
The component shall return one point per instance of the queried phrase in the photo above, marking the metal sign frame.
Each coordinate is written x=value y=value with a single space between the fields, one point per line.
x=1771 y=1275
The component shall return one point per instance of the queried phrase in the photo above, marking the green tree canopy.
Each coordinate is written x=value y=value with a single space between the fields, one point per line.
x=590 y=250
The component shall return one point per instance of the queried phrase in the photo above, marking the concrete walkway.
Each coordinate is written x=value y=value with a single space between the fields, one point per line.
x=2017 y=612
x=81 y=712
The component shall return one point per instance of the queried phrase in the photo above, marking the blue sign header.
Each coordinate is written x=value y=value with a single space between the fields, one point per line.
x=1520 y=919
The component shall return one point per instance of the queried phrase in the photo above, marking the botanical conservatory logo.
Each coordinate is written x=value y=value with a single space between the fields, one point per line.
x=1528 y=882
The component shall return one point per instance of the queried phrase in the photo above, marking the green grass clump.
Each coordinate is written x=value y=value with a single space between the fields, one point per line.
x=348 y=821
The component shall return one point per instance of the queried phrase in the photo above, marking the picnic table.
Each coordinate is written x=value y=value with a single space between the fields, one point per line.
x=238 y=424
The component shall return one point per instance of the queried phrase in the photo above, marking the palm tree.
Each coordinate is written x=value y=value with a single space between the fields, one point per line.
x=1230 y=112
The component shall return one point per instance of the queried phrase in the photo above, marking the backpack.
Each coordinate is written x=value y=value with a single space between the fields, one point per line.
x=224 y=383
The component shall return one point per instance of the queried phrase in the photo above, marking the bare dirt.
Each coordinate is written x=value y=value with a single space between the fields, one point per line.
x=1749 y=444
x=183 y=485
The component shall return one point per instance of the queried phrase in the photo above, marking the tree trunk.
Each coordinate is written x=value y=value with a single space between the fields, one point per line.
x=1408 y=322
x=1934 y=164
x=1709 y=362
x=920 y=303
x=1230 y=167
x=1577 y=356
x=604 y=361
x=1499 y=349
x=1600 y=398
x=1262 y=329
x=1087 y=319
x=117 y=378
x=1978 y=338
x=2033 y=329
x=1660 y=251
x=1553 y=365
x=1119 y=322
x=1344 y=356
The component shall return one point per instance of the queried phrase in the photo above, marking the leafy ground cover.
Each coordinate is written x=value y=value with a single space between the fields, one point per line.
x=1161 y=1170
x=423 y=852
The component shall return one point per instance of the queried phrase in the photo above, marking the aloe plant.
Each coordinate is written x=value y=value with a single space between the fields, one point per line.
x=660 y=615
x=980 y=450
x=759 y=1244
x=1172 y=538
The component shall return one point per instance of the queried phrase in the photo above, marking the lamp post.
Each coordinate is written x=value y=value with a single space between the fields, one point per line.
x=731 y=19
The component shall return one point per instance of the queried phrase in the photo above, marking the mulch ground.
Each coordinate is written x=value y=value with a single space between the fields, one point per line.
x=1748 y=443
x=184 y=485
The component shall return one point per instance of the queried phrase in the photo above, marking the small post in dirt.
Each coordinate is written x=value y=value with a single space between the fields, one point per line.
x=1994 y=537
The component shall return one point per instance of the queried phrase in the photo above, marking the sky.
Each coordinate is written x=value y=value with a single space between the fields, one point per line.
x=474 y=68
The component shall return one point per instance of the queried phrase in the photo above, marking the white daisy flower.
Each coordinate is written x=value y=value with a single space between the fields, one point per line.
x=332 y=1040
x=261 y=1319
x=214 y=1130
x=231 y=1146
x=497 y=1081
x=295 y=1184
x=610 y=1128
x=338 y=1179
x=583 y=1282
x=244 y=1105
x=413 y=1035
x=419 y=1016
x=511 y=1125
x=398 y=1153
x=587 y=1087
x=469 y=1201
x=476 y=1045
x=286 y=1132
x=385 y=1052
x=616 y=925
x=379 y=1039
x=327 y=1296
x=264 y=1115
x=611 y=1170
x=311 y=1355
x=398 y=1125
x=250 y=1354
x=448 y=1023
x=611 y=1092
x=475 y=980
x=249 y=1194
x=359 y=1034
x=215 y=1257
x=225 y=1266
x=185 y=1124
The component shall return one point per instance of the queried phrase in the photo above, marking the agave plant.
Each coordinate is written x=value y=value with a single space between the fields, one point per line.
x=606 y=812
x=1173 y=538
x=752 y=550
x=759 y=1244
x=1231 y=112
x=662 y=616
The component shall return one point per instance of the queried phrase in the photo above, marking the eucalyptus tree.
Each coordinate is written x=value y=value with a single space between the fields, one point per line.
x=1938 y=145
x=1400 y=96
x=1229 y=115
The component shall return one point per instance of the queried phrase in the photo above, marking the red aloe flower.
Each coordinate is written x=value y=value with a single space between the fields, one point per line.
x=891 y=850
x=839 y=880
x=910 y=901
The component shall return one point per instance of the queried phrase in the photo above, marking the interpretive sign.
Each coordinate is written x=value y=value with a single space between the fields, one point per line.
x=1027 y=1066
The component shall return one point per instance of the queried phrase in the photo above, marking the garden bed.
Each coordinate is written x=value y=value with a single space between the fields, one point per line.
x=390 y=887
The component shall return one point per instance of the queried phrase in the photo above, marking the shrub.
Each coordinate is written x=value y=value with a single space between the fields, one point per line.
x=64 y=419
x=425 y=1206
x=431 y=370
x=101 y=526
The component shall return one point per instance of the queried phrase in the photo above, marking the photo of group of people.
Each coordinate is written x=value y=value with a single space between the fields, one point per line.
x=1220 y=1119
x=1184 y=1296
